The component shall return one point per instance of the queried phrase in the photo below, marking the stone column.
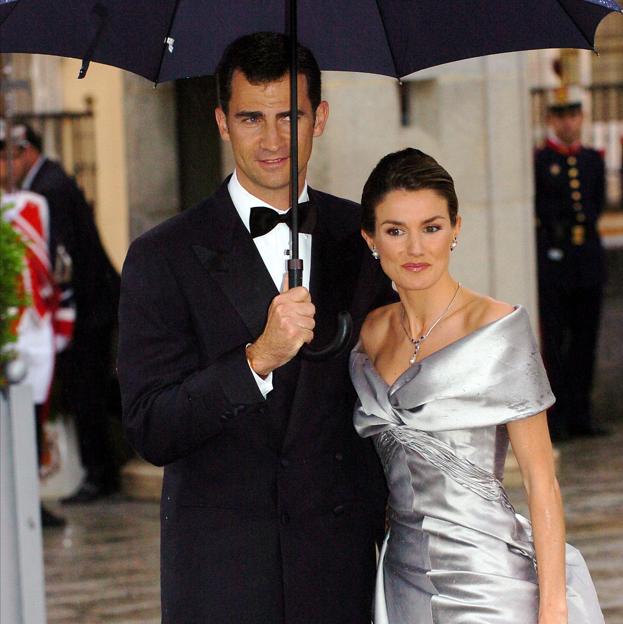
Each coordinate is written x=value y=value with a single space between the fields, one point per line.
x=151 y=152
x=22 y=596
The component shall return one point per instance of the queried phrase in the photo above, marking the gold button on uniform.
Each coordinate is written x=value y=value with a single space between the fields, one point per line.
x=572 y=161
x=574 y=183
x=577 y=206
x=576 y=196
x=577 y=235
x=573 y=172
x=580 y=217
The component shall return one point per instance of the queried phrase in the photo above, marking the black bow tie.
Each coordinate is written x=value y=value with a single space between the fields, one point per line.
x=264 y=219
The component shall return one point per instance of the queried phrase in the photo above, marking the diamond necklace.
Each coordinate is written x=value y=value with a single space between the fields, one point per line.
x=417 y=342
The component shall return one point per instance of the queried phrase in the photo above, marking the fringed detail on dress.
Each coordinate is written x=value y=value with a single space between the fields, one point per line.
x=440 y=455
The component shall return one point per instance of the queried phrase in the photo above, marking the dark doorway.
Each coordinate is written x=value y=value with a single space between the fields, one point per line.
x=198 y=139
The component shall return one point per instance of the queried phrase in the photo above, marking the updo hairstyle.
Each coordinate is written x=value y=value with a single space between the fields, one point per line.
x=407 y=170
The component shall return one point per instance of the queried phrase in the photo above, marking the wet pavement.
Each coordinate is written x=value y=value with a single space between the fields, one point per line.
x=103 y=567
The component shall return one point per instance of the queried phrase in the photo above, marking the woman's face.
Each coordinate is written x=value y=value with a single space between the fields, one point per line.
x=413 y=236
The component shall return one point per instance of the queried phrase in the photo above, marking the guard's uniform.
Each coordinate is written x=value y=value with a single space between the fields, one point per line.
x=570 y=196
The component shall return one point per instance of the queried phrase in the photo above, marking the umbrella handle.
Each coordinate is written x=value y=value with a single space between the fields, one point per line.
x=341 y=339
x=344 y=320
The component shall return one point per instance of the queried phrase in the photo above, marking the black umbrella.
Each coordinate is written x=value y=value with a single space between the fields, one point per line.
x=169 y=39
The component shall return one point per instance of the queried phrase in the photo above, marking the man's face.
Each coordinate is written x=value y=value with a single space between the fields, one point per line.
x=567 y=125
x=257 y=125
x=18 y=166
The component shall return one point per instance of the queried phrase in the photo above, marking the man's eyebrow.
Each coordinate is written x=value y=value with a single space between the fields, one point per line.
x=244 y=114
x=299 y=112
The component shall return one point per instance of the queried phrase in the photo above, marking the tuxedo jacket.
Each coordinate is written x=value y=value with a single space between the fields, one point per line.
x=270 y=507
x=95 y=281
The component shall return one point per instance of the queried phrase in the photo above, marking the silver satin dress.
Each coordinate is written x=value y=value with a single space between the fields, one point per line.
x=456 y=552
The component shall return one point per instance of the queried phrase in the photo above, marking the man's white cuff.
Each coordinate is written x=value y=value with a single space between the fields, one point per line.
x=264 y=385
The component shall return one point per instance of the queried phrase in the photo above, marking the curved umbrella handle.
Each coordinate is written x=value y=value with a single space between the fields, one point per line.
x=344 y=321
x=341 y=339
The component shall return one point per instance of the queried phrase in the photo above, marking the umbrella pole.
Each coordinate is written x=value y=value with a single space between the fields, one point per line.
x=295 y=264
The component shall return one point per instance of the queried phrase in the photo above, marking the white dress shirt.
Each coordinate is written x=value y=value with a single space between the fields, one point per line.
x=273 y=247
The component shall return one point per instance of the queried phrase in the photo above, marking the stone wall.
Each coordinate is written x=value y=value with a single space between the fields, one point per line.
x=151 y=152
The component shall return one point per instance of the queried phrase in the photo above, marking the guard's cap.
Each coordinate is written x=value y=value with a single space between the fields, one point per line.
x=564 y=99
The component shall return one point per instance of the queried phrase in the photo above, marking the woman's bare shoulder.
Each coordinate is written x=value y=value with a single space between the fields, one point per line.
x=482 y=310
x=375 y=327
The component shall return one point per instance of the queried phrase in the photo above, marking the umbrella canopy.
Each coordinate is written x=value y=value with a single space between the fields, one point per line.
x=167 y=39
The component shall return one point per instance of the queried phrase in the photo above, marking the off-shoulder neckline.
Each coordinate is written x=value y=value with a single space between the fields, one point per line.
x=358 y=348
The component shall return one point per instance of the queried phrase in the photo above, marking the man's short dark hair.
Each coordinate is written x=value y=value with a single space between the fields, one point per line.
x=34 y=138
x=265 y=57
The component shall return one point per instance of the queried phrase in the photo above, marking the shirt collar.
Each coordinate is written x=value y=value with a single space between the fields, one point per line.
x=560 y=146
x=243 y=200
x=33 y=171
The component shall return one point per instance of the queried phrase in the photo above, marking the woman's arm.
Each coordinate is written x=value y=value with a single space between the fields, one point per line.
x=533 y=449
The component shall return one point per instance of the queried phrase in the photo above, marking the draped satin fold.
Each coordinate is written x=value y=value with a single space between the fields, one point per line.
x=456 y=552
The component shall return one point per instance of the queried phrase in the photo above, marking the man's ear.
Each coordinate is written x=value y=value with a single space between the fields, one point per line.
x=320 y=118
x=221 y=122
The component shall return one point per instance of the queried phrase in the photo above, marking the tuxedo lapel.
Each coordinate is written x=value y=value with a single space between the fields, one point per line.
x=328 y=301
x=335 y=264
x=226 y=250
x=334 y=268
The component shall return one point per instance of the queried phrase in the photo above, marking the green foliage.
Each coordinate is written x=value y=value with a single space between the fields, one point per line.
x=12 y=251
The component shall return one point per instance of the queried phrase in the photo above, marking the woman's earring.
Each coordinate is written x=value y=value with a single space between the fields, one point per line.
x=375 y=253
x=454 y=244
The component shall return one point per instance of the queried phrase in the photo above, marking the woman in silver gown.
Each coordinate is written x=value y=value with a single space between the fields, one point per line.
x=445 y=378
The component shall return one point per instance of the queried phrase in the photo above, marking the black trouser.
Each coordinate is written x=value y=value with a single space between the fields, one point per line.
x=84 y=372
x=570 y=324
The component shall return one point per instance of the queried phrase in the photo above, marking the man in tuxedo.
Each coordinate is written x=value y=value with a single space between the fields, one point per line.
x=271 y=503
x=79 y=260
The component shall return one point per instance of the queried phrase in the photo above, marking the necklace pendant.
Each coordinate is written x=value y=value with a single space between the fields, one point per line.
x=417 y=342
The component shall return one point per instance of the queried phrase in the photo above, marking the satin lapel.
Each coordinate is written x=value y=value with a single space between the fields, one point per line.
x=327 y=303
x=334 y=270
x=234 y=263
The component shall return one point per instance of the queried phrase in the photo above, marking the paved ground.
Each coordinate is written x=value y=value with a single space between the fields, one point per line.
x=104 y=566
